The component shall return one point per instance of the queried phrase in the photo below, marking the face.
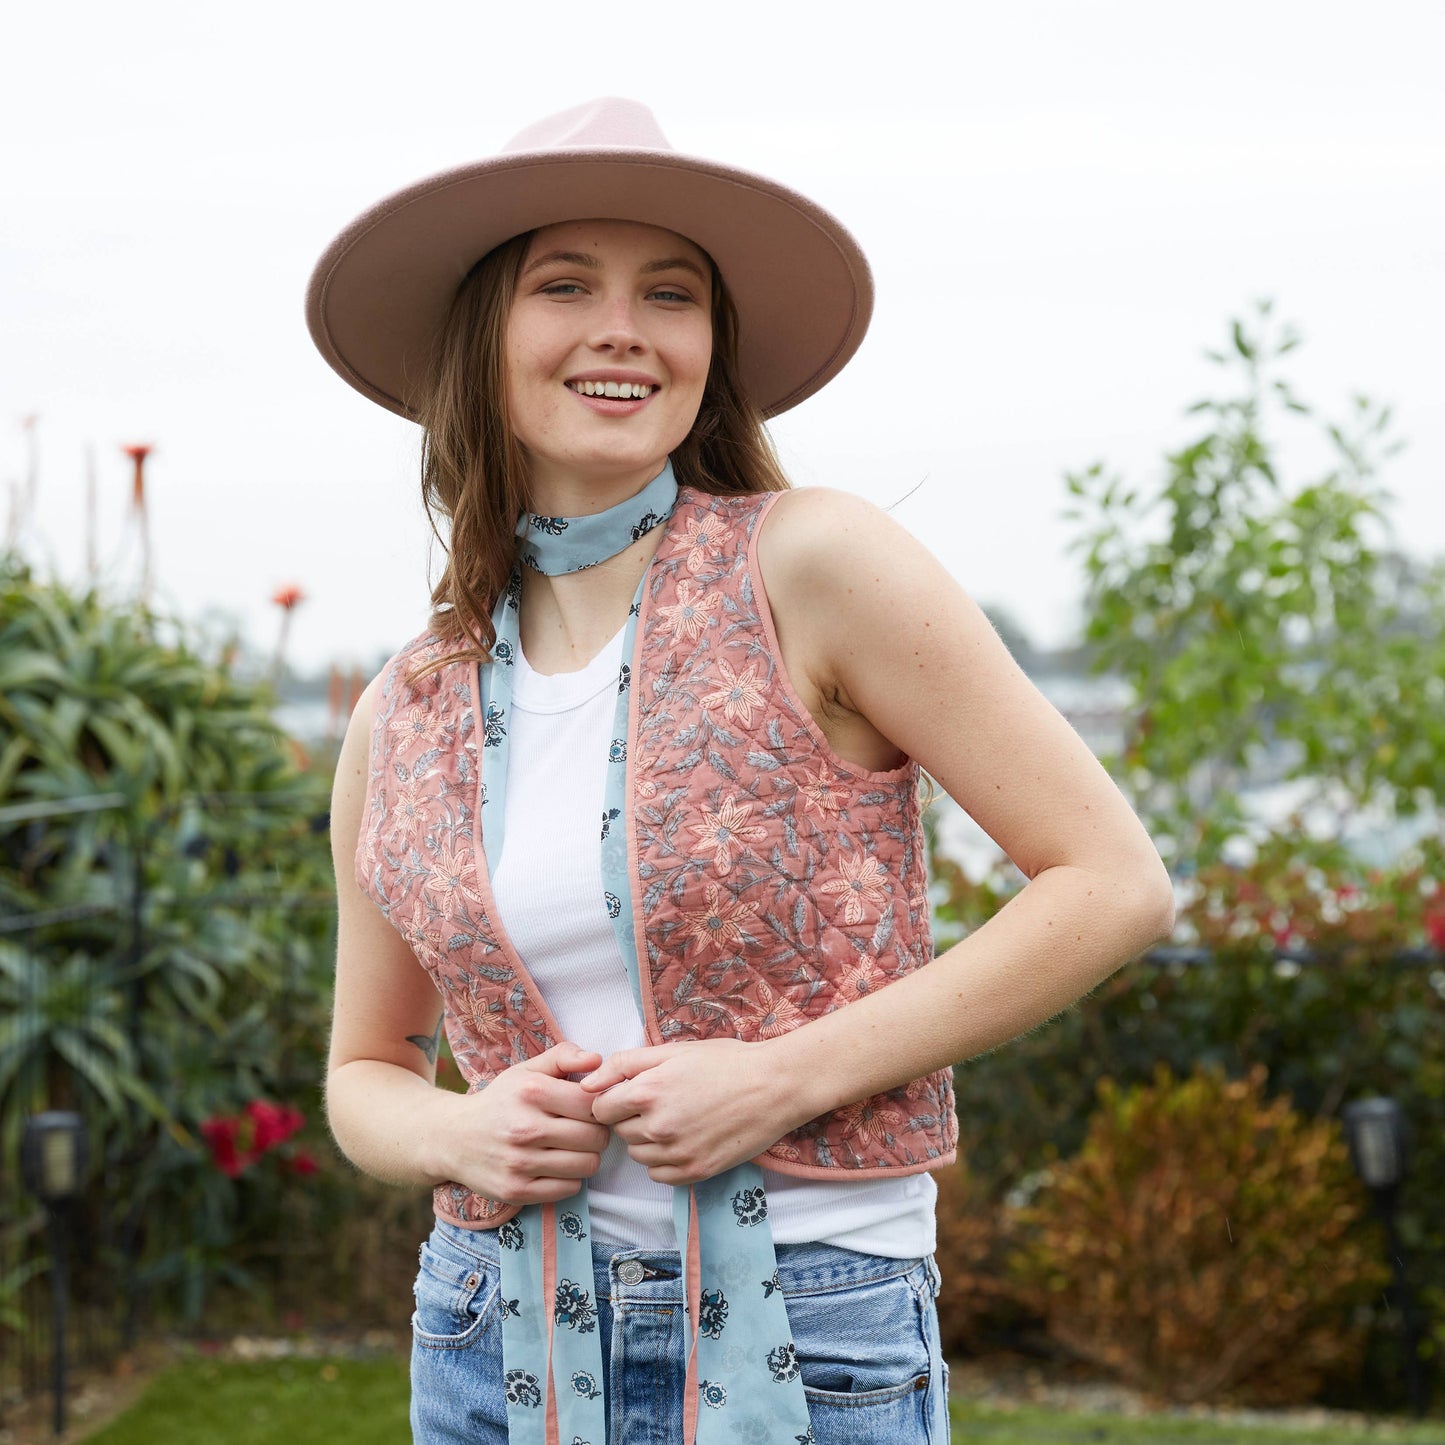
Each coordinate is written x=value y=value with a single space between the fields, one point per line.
x=601 y=306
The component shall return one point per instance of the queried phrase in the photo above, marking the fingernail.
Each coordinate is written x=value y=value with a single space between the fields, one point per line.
x=586 y=1079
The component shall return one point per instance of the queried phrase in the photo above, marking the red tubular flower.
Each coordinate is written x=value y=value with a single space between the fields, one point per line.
x=289 y=597
x=138 y=455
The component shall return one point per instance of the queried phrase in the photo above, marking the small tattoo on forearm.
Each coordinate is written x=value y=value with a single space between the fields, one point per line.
x=428 y=1045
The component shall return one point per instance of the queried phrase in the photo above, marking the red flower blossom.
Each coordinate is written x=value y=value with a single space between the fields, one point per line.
x=223 y=1138
x=288 y=597
x=304 y=1163
x=237 y=1141
x=1435 y=927
x=274 y=1123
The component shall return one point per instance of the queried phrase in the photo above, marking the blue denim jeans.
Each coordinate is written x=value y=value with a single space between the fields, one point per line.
x=865 y=1327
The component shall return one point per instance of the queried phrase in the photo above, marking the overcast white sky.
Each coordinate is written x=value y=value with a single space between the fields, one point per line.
x=1063 y=204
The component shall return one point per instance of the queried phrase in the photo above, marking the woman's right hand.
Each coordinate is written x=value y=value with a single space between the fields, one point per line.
x=529 y=1137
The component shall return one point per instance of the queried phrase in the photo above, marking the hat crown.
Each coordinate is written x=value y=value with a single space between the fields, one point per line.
x=608 y=123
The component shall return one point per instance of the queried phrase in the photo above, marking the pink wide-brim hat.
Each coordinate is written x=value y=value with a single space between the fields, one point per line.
x=382 y=289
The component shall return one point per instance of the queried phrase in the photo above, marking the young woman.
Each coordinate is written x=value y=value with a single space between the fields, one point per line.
x=636 y=820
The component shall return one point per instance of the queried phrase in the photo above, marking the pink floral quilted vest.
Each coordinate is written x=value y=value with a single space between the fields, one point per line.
x=772 y=882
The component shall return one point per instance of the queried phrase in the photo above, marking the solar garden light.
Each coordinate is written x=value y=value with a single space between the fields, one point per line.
x=53 y=1156
x=1378 y=1138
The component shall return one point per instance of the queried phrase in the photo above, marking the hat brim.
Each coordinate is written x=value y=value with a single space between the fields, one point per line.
x=801 y=285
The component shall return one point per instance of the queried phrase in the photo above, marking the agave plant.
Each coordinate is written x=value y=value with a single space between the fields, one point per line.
x=165 y=909
x=63 y=1044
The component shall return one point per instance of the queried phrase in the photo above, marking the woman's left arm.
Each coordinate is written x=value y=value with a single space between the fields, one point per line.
x=883 y=632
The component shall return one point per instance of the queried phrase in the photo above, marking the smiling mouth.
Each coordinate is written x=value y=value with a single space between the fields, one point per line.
x=621 y=390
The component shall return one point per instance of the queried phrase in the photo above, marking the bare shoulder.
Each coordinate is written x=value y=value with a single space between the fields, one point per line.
x=832 y=558
x=822 y=529
x=348 y=789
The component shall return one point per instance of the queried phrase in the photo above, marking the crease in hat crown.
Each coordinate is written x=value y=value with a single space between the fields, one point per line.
x=381 y=291
x=609 y=123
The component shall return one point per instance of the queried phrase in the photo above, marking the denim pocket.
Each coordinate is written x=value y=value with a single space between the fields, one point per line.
x=864 y=1354
x=456 y=1295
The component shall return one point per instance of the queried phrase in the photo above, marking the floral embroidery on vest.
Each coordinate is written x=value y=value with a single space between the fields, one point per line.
x=773 y=882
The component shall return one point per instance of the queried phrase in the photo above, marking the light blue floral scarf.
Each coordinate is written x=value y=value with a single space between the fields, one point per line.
x=742 y=1371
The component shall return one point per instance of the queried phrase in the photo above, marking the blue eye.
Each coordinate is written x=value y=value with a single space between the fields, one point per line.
x=671 y=296
x=559 y=288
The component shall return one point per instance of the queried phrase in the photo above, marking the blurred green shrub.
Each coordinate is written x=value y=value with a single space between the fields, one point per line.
x=1204 y=1243
x=1269 y=628
x=216 y=991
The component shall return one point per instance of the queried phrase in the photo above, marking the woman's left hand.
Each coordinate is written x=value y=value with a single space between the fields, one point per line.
x=689 y=1111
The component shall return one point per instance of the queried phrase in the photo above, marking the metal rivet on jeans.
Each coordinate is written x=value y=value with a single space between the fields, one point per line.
x=473 y=1280
x=630 y=1271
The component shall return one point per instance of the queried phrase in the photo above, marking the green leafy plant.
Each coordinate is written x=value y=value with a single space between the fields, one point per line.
x=1263 y=623
x=62 y=1046
x=1268 y=629
x=170 y=842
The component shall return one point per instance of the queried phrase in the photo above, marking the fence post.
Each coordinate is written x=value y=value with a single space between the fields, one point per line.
x=130 y=1236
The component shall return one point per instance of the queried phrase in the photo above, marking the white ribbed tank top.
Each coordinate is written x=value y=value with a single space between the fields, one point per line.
x=548 y=888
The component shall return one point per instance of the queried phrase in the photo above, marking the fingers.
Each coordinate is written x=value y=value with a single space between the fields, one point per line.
x=532 y=1176
x=550 y=1113
x=589 y=1137
x=560 y=1098
x=562 y=1059
x=613 y=1107
x=652 y=1154
x=566 y=1164
x=625 y=1064
x=634 y=1130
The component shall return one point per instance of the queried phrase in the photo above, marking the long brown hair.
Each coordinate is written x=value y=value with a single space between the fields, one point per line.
x=474 y=471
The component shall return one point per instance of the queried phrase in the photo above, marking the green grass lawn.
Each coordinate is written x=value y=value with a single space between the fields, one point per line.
x=364 y=1402
x=1056 y=1427
x=358 y=1402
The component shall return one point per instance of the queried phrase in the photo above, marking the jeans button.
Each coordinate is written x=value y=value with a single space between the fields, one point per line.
x=630 y=1271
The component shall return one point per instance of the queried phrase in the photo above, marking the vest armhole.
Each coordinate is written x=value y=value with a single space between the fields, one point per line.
x=888 y=777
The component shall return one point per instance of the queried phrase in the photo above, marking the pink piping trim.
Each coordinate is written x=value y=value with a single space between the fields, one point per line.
x=549 y=1293
x=837 y=1174
x=694 y=1307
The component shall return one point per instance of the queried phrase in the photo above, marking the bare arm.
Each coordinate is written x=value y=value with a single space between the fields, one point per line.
x=887 y=636
x=529 y=1137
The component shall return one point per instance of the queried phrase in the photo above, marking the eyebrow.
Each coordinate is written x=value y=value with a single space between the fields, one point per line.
x=566 y=258
x=674 y=263
x=591 y=263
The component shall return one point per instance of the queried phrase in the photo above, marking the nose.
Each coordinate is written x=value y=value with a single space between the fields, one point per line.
x=618 y=327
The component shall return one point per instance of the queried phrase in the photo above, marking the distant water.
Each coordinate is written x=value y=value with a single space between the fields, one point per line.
x=1096 y=708
x=305 y=720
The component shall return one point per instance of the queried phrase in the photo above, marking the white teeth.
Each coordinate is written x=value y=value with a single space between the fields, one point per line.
x=623 y=390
